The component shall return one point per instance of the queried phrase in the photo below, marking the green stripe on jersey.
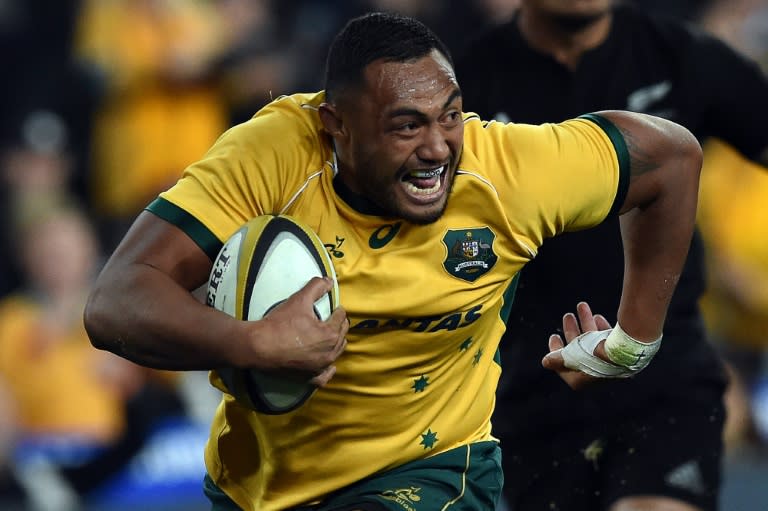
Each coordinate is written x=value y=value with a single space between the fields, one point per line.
x=621 y=151
x=190 y=225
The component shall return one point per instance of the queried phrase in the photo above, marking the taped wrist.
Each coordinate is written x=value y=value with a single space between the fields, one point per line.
x=579 y=355
x=628 y=355
x=624 y=350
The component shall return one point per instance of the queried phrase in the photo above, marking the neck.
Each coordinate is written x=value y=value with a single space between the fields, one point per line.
x=566 y=39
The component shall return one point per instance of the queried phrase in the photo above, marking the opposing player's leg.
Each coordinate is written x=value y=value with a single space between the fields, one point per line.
x=668 y=459
x=551 y=469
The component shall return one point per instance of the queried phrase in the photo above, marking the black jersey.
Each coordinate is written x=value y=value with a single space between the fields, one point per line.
x=647 y=65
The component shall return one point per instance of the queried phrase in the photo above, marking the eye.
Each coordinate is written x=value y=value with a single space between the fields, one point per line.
x=452 y=118
x=407 y=127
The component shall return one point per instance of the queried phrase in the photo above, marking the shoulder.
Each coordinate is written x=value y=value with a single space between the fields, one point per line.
x=493 y=146
x=485 y=142
x=485 y=48
x=287 y=128
x=479 y=133
x=288 y=115
x=497 y=37
x=681 y=38
x=672 y=35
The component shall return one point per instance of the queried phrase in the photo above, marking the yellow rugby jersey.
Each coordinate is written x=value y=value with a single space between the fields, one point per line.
x=426 y=303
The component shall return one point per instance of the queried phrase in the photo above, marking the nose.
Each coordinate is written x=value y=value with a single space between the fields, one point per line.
x=434 y=146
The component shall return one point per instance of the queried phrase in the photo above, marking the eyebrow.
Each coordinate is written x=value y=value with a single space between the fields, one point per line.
x=412 y=111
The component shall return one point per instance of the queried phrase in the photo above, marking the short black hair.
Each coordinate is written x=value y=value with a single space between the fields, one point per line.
x=374 y=36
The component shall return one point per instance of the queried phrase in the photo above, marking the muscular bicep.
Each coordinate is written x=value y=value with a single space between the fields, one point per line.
x=156 y=243
x=655 y=148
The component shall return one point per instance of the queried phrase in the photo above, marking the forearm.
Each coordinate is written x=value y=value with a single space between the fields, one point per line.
x=656 y=239
x=141 y=314
x=658 y=216
x=657 y=223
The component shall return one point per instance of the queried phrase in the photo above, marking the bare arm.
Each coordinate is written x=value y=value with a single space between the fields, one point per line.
x=657 y=219
x=142 y=308
x=657 y=223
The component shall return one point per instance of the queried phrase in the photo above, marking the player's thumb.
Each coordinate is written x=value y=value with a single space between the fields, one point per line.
x=554 y=361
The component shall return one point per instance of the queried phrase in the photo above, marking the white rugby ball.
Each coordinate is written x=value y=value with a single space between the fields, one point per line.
x=262 y=264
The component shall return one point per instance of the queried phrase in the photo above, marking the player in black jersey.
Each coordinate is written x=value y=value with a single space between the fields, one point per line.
x=603 y=448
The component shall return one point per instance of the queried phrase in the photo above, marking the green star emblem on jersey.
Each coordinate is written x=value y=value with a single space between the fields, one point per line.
x=420 y=384
x=466 y=344
x=477 y=357
x=470 y=252
x=428 y=439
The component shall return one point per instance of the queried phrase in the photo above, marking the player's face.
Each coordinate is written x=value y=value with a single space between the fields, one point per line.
x=404 y=137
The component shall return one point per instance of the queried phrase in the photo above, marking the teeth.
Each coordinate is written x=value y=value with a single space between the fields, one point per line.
x=424 y=174
x=415 y=190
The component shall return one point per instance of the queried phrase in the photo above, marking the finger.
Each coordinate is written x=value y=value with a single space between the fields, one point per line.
x=553 y=361
x=339 y=323
x=324 y=377
x=602 y=323
x=316 y=288
x=574 y=379
x=339 y=320
x=586 y=318
x=570 y=326
x=555 y=342
x=339 y=347
x=600 y=351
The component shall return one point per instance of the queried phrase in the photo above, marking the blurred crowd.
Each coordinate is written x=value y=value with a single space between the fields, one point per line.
x=105 y=102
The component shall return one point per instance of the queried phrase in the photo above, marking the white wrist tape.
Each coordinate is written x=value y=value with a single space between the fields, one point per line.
x=579 y=355
x=626 y=351
x=629 y=356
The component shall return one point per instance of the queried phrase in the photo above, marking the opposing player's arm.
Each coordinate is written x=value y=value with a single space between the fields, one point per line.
x=657 y=222
x=142 y=308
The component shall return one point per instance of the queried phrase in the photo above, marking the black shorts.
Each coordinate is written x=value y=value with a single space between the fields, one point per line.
x=672 y=449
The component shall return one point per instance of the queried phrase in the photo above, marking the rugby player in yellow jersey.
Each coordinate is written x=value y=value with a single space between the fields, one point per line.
x=429 y=213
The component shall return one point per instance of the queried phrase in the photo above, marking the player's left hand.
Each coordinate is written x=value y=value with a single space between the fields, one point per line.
x=572 y=328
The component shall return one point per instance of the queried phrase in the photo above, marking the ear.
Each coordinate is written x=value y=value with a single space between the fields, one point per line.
x=331 y=119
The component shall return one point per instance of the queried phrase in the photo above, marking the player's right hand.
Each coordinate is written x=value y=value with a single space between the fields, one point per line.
x=292 y=341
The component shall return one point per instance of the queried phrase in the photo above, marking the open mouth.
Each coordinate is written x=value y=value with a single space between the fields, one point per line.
x=424 y=183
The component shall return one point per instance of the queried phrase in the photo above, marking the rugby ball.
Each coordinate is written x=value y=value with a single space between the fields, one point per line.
x=261 y=265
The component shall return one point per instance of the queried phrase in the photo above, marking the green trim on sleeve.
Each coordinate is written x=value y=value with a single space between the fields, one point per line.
x=623 y=154
x=190 y=225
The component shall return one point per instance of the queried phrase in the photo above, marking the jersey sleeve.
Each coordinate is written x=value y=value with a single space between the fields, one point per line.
x=554 y=178
x=253 y=169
